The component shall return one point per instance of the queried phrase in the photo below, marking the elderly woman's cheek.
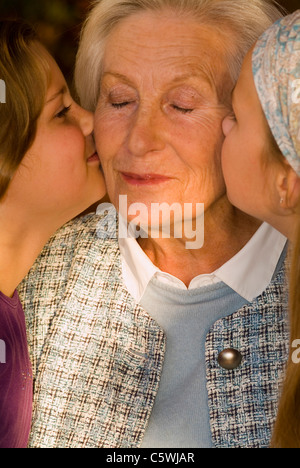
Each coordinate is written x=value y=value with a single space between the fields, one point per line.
x=107 y=131
x=209 y=136
x=207 y=125
x=207 y=121
x=106 y=118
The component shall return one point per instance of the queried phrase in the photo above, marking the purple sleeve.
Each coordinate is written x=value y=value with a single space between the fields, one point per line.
x=15 y=375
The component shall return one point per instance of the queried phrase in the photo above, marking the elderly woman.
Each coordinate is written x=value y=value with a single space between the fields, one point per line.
x=145 y=342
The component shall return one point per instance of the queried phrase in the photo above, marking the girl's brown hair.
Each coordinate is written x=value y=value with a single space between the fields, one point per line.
x=287 y=427
x=24 y=72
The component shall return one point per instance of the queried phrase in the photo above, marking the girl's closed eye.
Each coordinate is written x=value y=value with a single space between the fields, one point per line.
x=63 y=112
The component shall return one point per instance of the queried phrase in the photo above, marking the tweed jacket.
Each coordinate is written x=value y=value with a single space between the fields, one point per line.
x=98 y=356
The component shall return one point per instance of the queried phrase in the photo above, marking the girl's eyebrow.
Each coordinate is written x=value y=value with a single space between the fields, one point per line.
x=63 y=90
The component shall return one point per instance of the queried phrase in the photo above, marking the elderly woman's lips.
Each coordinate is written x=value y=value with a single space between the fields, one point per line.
x=144 y=179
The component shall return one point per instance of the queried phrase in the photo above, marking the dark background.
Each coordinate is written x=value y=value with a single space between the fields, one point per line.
x=58 y=23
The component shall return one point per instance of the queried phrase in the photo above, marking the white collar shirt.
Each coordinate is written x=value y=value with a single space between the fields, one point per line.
x=248 y=273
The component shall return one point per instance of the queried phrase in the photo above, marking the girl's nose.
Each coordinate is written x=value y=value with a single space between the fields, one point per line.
x=86 y=121
x=227 y=124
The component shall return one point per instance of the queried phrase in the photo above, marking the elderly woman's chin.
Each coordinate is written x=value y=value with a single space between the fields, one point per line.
x=152 y=195
x=152 y=200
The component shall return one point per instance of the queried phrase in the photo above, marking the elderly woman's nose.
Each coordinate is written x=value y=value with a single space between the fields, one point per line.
x=145 y=135
x=227 y=124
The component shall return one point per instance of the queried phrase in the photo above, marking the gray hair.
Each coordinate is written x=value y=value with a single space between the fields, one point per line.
x=244 y=20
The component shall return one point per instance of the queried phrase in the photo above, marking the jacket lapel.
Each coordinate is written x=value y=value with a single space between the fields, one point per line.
x=101 y=362
x=243 y=402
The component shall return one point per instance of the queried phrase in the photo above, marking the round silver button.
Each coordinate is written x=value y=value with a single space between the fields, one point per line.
x=230 y=358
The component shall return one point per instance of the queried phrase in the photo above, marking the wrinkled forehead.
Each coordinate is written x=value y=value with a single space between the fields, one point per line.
x=163 y=49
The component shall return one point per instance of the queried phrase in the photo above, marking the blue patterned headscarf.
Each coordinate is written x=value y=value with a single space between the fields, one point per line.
x=276 y=70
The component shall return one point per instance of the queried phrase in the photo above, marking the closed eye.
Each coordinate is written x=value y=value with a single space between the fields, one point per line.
x=182 y=109
x=120 y=105
x=63 y=112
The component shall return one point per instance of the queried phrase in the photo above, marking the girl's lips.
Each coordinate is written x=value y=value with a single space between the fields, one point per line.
x=144 y=179
x=94 y=158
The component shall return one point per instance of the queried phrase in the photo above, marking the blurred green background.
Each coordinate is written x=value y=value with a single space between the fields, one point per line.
x=58 y=23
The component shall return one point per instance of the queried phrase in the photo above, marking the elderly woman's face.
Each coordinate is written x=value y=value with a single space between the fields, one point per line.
x=158 y=123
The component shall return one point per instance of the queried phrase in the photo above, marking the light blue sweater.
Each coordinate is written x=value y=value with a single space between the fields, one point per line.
x=180 y=417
